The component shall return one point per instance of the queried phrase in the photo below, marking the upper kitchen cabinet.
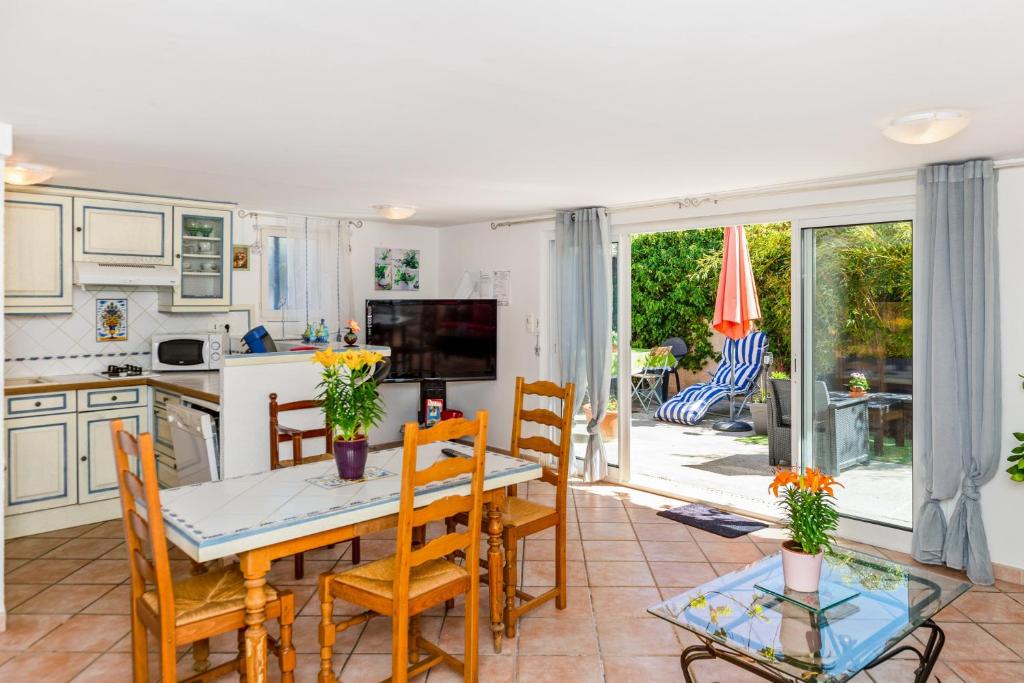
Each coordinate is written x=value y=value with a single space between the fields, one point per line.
x=202 y=247
x=37 y=258
x=109 y=230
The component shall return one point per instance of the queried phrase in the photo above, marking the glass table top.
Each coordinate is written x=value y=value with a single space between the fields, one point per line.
x=832 y=646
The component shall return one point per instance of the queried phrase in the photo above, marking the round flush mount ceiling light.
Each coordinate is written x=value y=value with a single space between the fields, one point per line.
x=392 y=212
x=926 y=127
x=27 y=174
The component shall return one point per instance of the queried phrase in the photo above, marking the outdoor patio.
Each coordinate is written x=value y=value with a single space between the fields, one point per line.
x=731 y=469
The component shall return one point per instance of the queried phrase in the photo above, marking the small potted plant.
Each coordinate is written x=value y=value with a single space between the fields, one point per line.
x=353 y=330
x=858 y=384
x=809 y=513
x=351 y=405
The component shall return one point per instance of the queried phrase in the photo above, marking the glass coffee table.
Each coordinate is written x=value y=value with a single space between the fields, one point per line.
x=870 y=606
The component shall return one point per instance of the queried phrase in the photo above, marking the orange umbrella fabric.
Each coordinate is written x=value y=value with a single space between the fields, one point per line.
x=736 y=305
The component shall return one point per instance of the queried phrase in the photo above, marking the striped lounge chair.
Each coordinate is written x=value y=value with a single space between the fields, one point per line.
x=690 y=405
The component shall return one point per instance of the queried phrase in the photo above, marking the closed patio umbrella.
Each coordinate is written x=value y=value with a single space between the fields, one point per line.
x=736 y=307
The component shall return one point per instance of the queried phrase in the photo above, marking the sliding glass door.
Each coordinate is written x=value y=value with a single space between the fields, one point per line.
x=856 y=384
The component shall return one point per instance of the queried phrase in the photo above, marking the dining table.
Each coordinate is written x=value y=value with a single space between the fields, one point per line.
x=266 y=516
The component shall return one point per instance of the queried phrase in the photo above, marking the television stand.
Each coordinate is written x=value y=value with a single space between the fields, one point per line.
x=431 y=388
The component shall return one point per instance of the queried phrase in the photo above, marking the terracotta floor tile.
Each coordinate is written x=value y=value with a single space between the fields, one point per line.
x=996 y=608
x=559 y=669
x=970 y=642
x=643 y=515
x=721 y=671
x=672 y=551
x=362 y=667
x=702 y=536
x=572 y=637
x=623 y=602
x=100 y=571
x=616 y=515
x=663 y=532
x=31 y=547
x=115 y=601
x=305 y=637
x=592 y=531
x=980 y=671
x=17 y=593
x=1010 y=635
x=619 y=636
x=62 y=599
x=25 y=629
x=452 y=638
x=630 y=669
x=544 y=549
x=86 y=633
x=44 y=571
x=619 y=574
x=52 y=667
x=110 y=529
x=84 y=548
x=950 y=613
x=903 y=670
x=723 y=568
x=376 y=636
x=620 y=551
x=585 y=499
x=112 y=667
x=70 y=532
x=572 y=532
x=681 y=574
x=543 y=573
x=731 y=552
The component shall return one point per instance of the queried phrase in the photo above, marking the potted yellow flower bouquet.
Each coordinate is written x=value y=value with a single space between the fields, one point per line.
x=351 y=405
x=810 y=514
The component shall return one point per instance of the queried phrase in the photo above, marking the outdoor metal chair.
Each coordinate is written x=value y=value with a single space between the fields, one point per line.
x=648 y=380
x=678 y=349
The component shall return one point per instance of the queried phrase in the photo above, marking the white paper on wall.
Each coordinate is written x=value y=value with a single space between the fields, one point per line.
x=502 y=286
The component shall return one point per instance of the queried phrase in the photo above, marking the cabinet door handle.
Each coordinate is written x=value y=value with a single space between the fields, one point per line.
x=113 y=398
x=38 y=403
x=83 y=458
x=78 y=229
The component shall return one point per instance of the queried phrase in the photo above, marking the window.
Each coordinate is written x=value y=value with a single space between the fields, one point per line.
x=274 y=278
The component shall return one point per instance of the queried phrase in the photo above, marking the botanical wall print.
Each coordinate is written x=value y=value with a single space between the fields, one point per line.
x=396 y=269
x=111 y=320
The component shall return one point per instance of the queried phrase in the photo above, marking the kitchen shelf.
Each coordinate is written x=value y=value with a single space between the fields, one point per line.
x=216 y=256
x=200 y=274
x=200 y=239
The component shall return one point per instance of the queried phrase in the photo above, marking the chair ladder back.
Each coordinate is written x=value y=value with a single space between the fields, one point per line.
x=562 y=421
x=143 y=534
x=410 y=516
x=279 y=435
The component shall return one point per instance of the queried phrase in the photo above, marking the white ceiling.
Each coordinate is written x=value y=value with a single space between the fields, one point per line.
x=482 y=110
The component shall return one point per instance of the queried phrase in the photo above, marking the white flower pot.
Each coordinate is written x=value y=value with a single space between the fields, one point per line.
x=801 y=572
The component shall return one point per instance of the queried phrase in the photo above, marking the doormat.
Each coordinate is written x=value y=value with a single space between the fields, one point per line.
x=715 y=521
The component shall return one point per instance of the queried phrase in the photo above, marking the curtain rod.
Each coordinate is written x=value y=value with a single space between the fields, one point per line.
x=351 y=222
x=762 y=191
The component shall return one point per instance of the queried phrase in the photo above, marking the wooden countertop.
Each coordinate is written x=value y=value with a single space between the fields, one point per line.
x=202 y=385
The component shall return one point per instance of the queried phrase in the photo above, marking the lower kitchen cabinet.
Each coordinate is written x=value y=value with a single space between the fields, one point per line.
x=41 y=467
x=97 y=472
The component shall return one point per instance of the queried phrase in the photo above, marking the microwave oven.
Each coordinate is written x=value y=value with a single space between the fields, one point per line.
x=188 y=351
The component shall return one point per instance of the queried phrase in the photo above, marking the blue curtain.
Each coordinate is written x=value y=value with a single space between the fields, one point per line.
x=584 y=309
x=956 y=226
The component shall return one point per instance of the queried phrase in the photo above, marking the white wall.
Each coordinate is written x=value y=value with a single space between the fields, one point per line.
x=521 y=250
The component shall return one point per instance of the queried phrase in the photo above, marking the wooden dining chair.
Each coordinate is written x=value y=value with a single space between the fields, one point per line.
x=523 y=517
x=189 y=610
x=418 y=577
x=279 y=434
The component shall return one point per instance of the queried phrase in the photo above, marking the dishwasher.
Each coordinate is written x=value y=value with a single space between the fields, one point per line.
x=194 y=433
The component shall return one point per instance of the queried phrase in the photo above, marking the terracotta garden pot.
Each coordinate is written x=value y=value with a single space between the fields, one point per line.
x=608 y=428
x=350 y=457
x=857 y=392
x=801 y=571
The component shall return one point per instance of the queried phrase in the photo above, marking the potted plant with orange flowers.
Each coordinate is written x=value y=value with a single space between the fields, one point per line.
x=351 y=404
x=810 y=514
x=353 y=329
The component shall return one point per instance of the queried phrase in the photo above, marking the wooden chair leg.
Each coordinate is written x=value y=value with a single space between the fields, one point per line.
x=140 y=650
x=327 y=632
x=355 y=550
x=561 y=600
x=168 y=660
x=201 y=655
x=511 y=582
x=414 y=634
x=400 y=649
x=241 y=655
x=286 y=653
x=300 y=566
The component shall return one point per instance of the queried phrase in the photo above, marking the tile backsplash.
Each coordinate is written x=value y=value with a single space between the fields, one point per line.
x=46 y=345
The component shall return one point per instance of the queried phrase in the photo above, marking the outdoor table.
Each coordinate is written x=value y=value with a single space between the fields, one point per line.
x=883 y=407
x=781 y=640
x=262 y=517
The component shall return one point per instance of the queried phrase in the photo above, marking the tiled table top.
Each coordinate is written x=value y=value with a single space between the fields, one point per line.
x=215 y=519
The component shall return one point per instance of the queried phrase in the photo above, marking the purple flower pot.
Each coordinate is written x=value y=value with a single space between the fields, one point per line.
x=350 y=457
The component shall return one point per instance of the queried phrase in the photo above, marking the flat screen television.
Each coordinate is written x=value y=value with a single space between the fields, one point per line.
x=445 y=339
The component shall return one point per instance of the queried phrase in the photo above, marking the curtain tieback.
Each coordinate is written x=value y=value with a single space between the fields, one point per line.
x=969 y=489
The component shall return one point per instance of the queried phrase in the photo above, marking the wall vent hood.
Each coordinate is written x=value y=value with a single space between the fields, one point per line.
x=129 y=275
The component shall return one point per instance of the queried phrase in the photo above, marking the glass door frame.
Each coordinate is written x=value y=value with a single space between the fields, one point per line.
x=897 y=210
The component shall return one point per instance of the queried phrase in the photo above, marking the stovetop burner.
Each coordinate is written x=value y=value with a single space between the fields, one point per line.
x=122 y=371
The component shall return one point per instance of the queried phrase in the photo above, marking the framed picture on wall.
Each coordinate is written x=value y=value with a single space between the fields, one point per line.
x=111 y=320
x=240 y=254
